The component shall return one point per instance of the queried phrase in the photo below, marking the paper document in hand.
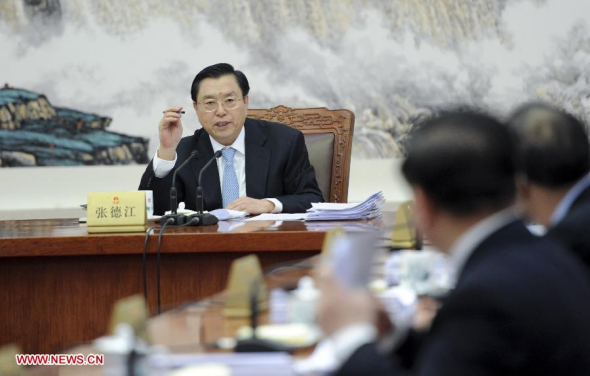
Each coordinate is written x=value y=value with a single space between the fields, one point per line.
x=350 y=256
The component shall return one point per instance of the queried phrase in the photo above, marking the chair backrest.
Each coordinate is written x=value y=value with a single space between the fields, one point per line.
x=328 y=137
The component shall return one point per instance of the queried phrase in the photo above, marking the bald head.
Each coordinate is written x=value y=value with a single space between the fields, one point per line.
x=552 y=146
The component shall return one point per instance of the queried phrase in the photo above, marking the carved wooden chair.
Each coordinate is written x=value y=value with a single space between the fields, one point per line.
x=328 y=137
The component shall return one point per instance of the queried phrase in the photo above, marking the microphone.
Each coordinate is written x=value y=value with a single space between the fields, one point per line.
x=255 y=344
x=177 y=219
x=199 y=186
x=205 y=219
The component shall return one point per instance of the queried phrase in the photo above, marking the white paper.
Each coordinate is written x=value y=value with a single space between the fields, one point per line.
x=241 y=364
x=225 y=214
x=228 y=226
x=278 y=217
x=327 y=211
x=322 y=360
x=332 y=206
x=351 y=256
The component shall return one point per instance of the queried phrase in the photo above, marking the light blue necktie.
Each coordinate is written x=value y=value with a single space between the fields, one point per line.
x=230 y=190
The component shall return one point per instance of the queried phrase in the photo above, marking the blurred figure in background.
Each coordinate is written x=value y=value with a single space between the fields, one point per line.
x=553 y=164
x=519 y=305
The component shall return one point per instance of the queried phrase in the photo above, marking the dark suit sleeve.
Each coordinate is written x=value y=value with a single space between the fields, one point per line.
x=472 y=340
x=301 y=187
x=367 y=360
x=572 y=232
x=161 y=188
x=465 y=341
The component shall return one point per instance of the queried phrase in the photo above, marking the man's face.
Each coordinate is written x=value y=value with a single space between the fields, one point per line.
x=533 y=203
x=422 y=212
x=524 y=202
x=222 y=124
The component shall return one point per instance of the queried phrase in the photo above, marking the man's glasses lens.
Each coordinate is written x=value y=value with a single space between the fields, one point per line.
x=229 y=103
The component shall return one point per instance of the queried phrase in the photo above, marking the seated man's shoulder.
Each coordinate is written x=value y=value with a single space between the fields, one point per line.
x=578 y=218
x=573 y=233
x=523 y=258
x=521 y=274
x=272 y=127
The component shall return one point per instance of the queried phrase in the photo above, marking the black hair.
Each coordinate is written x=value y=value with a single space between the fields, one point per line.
x=463 y=160
x=552 y=146
x=216 y=71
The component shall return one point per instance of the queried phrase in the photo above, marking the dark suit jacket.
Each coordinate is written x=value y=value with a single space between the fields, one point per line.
x=277 y=166
x=520 y=307
x=574 y=229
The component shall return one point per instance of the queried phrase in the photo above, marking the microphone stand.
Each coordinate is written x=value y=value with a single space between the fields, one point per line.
x=177 y=219
x=255 y=344
x=205 y=219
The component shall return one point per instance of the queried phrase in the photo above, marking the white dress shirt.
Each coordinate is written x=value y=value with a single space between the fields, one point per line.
x=566 y=202
x=162 y=167
x=239 y=160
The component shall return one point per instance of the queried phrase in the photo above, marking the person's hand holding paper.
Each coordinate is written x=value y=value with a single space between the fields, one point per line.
x=340 y=306
x=342 y=280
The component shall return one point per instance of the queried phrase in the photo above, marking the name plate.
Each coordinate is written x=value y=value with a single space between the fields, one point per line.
x=245 y=275
x=116 y=211
x=133 y=311
x=404 y=229
x=8 y=365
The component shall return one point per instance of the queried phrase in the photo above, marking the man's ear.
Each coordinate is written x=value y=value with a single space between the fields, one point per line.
x=246 y=100
x=526 y=197
x=523 y=187
x=426 y=210
x=195 y=105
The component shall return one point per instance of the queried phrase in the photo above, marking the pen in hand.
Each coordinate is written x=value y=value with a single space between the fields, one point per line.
x=178 y=112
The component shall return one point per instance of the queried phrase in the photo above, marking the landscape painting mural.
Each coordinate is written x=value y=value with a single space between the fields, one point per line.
x=35 y=133
x=99 y=73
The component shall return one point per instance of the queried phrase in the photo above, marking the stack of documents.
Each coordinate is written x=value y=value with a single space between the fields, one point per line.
x=374 y=225
x=326 y=211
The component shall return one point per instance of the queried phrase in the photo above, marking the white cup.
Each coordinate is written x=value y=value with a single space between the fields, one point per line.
x=149 y=203
x=424 y=272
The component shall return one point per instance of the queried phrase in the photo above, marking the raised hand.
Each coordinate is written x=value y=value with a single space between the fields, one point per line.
x=170 y=131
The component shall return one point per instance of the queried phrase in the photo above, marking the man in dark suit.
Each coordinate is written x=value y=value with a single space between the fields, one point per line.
x=553 y=163
x=264 y=168
x=519 y=306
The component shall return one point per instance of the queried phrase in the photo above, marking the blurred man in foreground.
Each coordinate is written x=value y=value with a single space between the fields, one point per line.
x=519 y=306
x=553 y=164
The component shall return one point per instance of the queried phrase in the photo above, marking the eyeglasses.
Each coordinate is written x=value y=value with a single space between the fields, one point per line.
x=229 y=103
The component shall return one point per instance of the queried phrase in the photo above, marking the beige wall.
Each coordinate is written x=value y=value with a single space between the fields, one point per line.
x=57 y=192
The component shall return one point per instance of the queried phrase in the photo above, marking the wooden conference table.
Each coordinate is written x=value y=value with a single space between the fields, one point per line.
x=58 y=283
x=189 y=331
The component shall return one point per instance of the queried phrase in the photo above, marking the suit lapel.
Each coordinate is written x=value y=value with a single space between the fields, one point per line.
x=210 y=179
x=257 y=160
